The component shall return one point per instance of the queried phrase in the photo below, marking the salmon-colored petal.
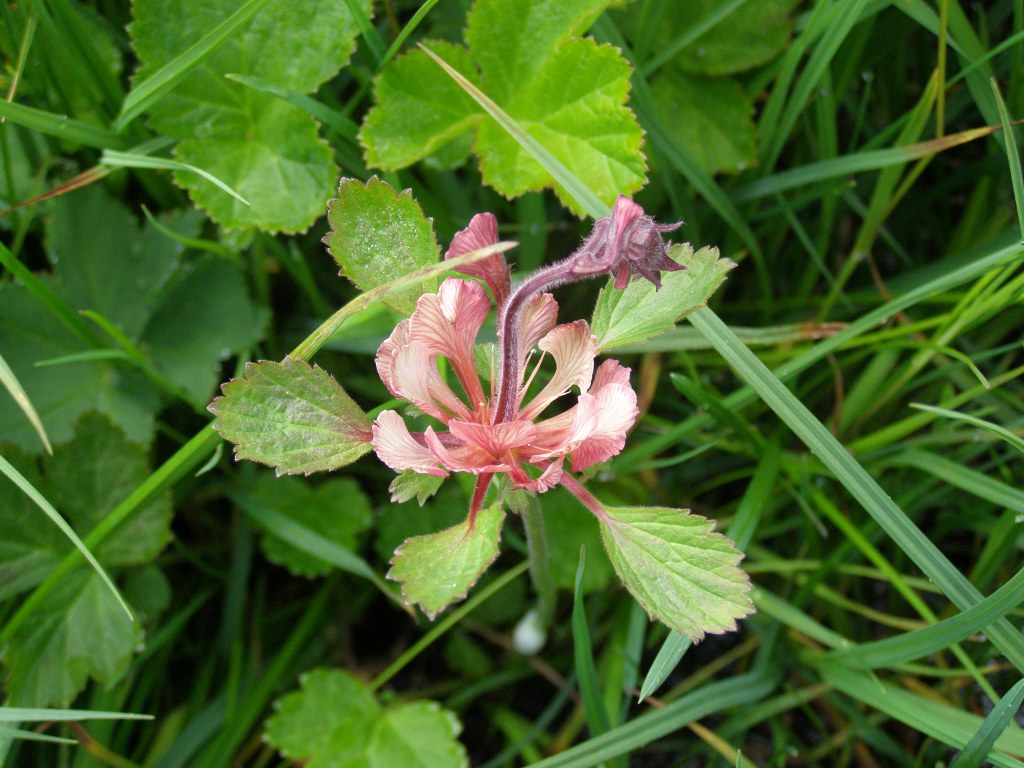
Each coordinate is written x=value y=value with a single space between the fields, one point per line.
x=548 y=479
x=573 y=347
x=616 y=413
x=481 y=232
x=539 y=316
x=463 y=458
x=387 y=355
x=447 y=323
x=496 y=440
x=415 y=377
x=397 y=448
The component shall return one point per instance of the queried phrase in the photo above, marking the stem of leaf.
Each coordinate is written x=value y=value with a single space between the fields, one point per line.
x=586 y=498
x=540 y=560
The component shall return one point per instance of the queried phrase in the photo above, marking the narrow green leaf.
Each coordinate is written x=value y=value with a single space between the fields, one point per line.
x=13 y=386
x=942 y=722
x=154 y=87
x=583 y=656
x=437 y=569
x=29 y=714
x=638 y=312
x=855 y=478
x=113 y=159
x=971 y=480
x=20 y=733
x=19 y=480
x=988 y=426
x=924 y=642
x=1012 y=157
x=378 y=235
x=61 y=126
x=292 y=416
x=981 y=743
x=336 y=120
x=715 y=697
x=681 y=572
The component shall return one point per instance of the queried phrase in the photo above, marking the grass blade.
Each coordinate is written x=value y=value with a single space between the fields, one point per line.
x=988 y=426
x=981 y=743
x=113 y=159
x=152 y=89
x=40 y=501
x=11 y=383
x=60 y=126
x=583 y=655
x=855 y=478
x=1012 y=157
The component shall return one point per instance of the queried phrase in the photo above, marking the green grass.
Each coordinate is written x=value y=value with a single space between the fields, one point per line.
x=849 y=409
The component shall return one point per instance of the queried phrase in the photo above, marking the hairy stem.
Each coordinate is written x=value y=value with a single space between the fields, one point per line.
x=540 y=560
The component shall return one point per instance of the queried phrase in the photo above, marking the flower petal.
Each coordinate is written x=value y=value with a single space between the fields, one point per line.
x=415 y=377
x=481 y=232
x=447 y=324
x=573 y=347
x=387 y=355
x=539 y=316
x=397 y=448
x=548 y=479
x=496 y=440
x=616 y=413
x=463 y=458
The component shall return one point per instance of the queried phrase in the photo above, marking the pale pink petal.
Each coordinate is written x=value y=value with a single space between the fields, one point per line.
x=415 y=377
x=462 y=458
x=481 y=232
x=548 y=479
x=573 y=348
x=395 y=446
x=624 y=213
x=387 y=354
x=539 y=316
x=561 y=434
x=447 y=323
x=496 y=440
x=610 y=372
x=616 y=413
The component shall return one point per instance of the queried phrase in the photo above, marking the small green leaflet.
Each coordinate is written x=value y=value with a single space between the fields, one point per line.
x=292 y=416
x=414 y=485
x=437 y=569
x=264 y=148
x=378 y=235
x=681 y=572
x=639 y=311
x=569 y=93
x=335 y=721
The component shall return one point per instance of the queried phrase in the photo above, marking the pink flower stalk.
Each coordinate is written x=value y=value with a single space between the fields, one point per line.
x=498 y=429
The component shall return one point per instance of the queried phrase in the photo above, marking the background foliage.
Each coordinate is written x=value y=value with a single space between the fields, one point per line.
x=167 y=169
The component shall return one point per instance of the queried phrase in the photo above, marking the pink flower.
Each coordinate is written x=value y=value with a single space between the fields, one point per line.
x=445 y=324
x=500 y=428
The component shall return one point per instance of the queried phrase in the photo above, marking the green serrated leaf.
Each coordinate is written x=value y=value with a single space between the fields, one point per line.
x=292 y=416
x=337 y=509
x=639 y=312
x=569 y=94
x=414 y=485
x=335 y=721
x=378 y=235
x=80 y=633
x=437 y=569
x=264 y=148
x=681 y=572
x=398 y=138
x=712 y=119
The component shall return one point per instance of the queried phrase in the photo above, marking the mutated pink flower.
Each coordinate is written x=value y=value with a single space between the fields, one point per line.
x=528 y=448
x=501 y=427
